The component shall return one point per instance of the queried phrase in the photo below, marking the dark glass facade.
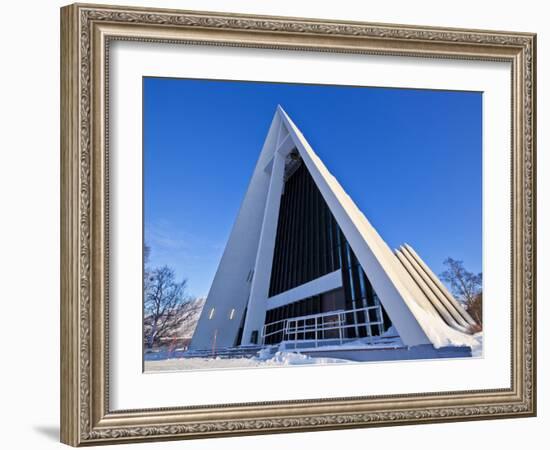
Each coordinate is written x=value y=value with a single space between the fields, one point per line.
x=307 y=240
x=359 y=293
x=310 y=244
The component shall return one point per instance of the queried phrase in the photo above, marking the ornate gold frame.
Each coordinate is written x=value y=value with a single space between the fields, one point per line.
x=86 y=31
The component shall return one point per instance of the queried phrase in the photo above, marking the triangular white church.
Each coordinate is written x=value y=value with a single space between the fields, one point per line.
x=303 y=264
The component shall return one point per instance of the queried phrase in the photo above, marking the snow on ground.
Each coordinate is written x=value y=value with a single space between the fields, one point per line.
x=264 y=359
x=439 y=333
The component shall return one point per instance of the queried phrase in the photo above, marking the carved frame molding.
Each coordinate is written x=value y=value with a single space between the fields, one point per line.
x=86 y=31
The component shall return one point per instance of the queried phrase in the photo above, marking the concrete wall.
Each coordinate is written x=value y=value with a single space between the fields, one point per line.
x=231 y=286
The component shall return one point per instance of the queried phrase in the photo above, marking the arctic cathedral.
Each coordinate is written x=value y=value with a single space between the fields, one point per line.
x=304 y=267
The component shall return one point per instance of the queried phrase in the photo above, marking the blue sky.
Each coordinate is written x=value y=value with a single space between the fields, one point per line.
x=410 y=159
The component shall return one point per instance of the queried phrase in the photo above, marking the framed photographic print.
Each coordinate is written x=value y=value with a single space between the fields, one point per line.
x=276 y=224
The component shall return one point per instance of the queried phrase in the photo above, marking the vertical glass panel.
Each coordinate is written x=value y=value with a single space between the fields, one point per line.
x=351 y=286
x=348 y=255
x=331 y=242
x=362 y=285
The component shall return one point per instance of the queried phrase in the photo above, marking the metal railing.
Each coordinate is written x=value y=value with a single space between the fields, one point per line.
x=326 y=326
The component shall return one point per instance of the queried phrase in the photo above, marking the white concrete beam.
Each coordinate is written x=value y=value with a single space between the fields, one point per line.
x=326 y=283
x=259 y=290
x=286 y=146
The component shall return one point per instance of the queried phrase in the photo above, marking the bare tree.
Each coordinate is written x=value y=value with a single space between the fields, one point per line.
x=190 y=312
x=466 y=286
x=475 y=308
x=164 y=304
